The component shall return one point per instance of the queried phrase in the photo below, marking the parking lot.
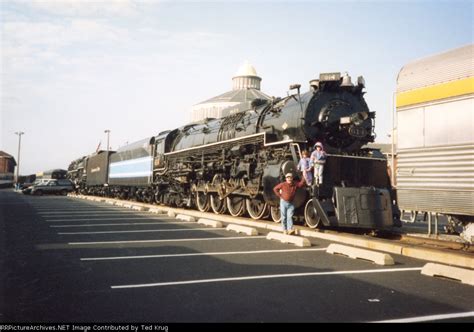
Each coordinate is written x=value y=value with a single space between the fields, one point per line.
x=65 y=259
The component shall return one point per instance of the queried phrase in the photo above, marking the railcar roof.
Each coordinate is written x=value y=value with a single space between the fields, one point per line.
x=443 y=67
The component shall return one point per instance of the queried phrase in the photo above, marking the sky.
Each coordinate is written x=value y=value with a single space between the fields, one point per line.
x=72 y=69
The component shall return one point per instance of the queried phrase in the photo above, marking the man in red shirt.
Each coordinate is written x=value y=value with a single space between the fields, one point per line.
x=286 y=191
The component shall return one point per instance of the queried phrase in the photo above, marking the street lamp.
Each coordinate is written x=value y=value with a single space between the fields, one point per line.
x=394 y=127
x=19 y=133
x=107 y=131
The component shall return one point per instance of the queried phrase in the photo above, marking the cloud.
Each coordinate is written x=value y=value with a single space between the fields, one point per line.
x=86 y=8
x=54 y=35
x=66 y=67
x=30 y=46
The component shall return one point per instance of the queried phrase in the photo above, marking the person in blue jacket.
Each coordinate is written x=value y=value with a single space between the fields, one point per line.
x=306 y=167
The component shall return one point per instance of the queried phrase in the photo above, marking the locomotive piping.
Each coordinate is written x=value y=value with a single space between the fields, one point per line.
x=232 y=140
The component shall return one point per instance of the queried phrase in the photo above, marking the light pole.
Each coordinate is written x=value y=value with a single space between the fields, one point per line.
x=19 y=133
x=394 y=126
x=107 y=131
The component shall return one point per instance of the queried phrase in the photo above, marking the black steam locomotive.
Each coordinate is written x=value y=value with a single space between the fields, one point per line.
x=231 y=164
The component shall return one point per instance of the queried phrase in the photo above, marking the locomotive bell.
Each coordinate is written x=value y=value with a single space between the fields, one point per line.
x=346 y=80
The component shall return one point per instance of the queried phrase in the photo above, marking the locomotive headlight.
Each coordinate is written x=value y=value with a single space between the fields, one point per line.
x=355 y=118
x=345 y=120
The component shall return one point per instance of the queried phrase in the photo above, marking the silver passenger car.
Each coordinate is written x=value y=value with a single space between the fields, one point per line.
x=435 y=143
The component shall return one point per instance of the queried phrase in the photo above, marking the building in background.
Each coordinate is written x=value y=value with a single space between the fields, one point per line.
x=7 y=169
x=245 y=89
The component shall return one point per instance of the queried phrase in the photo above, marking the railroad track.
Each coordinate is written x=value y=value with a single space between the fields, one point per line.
x=456 y=243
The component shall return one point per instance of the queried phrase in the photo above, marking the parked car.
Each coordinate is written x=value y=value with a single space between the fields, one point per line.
x=52 y=186
x=36 y=182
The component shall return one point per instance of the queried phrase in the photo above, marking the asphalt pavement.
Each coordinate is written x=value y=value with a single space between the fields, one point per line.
x=68 y=260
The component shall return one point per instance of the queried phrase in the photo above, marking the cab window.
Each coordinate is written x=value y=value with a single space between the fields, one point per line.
x=159 y=154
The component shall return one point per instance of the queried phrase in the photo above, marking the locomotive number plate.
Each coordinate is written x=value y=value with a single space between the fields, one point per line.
x=357 y=131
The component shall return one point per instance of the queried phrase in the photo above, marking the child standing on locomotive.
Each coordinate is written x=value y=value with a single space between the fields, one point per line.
x=305 y=166
x=287 y=191
x=318 y=158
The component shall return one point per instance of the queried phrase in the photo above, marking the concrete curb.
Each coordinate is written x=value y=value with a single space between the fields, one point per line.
x=296 y=240
x=139 y=208
x=354 y=253
x=465 y=276
x=209 y=222
x=438 y=256
x=185 y=217
x=434 y=255
x=354 y=240
x=251 y=231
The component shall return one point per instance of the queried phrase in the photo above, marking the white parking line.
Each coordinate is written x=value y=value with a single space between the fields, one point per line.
x=95 y=216
x=69 y=209
x=428 y=318
x=124 y=223
x=73 y=212
x=201 y=254
x=170 y=240
x=108 y=214
x=143 y=231
x=52 y=211
x=87 y=212
x=268 y=276
x=53 y=218
x=65 y=206
x=75 y=208
x=124 y=218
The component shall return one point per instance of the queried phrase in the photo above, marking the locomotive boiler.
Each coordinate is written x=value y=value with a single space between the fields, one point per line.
x=230 y=165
